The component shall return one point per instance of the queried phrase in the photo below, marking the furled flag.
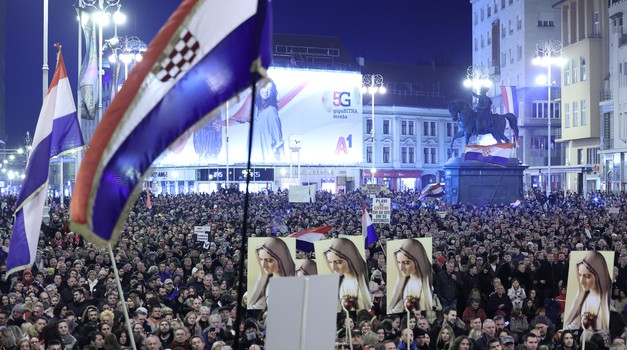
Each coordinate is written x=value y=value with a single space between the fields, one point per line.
x=57 y=131
x=205 y=53
x=510 y=99
x=433 y=190
x=305 y=239
x=148 y=201
x=498 y=154
x=88 y=75
x=515 y=204
x=367 y=227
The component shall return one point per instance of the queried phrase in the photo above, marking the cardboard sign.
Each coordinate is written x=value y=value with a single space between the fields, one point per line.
x=381 y=210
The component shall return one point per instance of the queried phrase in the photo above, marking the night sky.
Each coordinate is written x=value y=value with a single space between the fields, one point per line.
x=400 y=31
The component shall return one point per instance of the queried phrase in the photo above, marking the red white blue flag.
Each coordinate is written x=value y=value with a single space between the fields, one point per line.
x=510 y=99
x=498 y=154
x=435 y=190
x=57 y=131
x=305 y=239
x=207 y=52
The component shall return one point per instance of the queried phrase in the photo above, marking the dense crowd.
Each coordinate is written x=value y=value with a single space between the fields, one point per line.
x=500 y=274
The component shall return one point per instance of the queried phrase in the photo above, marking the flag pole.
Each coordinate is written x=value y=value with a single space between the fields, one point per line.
x=44 y=67
x=121 y=292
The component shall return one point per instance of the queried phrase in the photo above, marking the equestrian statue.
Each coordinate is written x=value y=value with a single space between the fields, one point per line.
x=481 y=121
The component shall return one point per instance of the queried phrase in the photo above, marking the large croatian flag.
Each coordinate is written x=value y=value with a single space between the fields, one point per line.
x=435 y=190
x=57 y=131
x=305 y=239
x=510 y=99
x=498 y=154
x=367 y=228
x=208 y=51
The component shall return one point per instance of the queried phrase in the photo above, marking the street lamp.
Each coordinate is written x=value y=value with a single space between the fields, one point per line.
x=548 y=53
x=102 y=13
x=477 y=77
x=373 y=84
x=128 y=50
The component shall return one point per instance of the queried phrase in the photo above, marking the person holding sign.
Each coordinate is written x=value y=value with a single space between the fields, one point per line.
x=412 y=289
x=590 y=309
x=274 y=260
x=343 y=258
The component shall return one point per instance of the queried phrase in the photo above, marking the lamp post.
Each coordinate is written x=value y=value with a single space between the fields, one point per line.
x=373 y=84
x=548 y=53
x=128 y=50
x=102 y=12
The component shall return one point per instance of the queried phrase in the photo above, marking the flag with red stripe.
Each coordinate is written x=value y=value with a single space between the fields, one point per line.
x=207 y=52
x=510 y=99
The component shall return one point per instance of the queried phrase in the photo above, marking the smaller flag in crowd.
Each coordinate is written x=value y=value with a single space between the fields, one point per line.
x=148 y=201
x=305 y=239
x=57 y=131
x=433 y=190
x=367 y=227
x=510 y=99
x=516 y=203
x=498 y=154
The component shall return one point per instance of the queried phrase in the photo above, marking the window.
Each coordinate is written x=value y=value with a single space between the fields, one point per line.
x=434 y=158
x=511 y=29
x=369 y=154
x=452 y=129
x=575 y=71
x=575 y=113
x=593 y=156
x=429 y=154
x=489 y=10
x=450 y=154
x=482 y=14
x=503 y=59
x=511 y=56
x=476 y=44
x=567 y=74
x=429 y=128
x=518 y=22
x=411 y=127
x=369 y=126
x=546 y=19
x=407 y=155
x=502 y=4
x=584 y=115
x=386 y=154
x=496 y=7
x=503 y=30
x=489 y=38
x=476 y=18
x=538 y=146
x=580 y=156
x=582 y=68
x=404 y=127
x=386 y=127
x=482 y=42
x=617 y=25
x=511 y=2
x=596 y=28
x=519 y=52
x=567 y=115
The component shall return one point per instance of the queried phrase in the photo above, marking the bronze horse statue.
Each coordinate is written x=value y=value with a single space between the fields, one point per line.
x=470 y=124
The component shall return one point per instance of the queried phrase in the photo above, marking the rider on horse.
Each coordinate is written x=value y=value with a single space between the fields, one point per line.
x=484 y=110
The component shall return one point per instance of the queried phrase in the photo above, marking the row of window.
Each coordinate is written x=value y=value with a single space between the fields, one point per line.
x=578 y=108
x=408 y=154
x=540 y=110
x=575 y=71
x=407 y=128
x=588 y=156
x=489 y=9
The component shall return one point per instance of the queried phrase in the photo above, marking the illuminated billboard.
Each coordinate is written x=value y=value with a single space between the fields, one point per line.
x=317 y=112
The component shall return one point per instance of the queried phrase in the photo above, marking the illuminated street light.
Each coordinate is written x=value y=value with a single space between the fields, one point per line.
x=548 y=53
x=373 y=84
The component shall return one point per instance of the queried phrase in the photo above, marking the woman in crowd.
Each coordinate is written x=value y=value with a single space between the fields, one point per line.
x=445 y=338
x=343 y=258
x=275 y=260
x=412 y=289
x=461 y=343
x=568 y=341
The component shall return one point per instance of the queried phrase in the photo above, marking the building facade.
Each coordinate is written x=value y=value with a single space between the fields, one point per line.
x=505 y=38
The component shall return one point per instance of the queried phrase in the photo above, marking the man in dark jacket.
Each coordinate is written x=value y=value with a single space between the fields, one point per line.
x=447 y=285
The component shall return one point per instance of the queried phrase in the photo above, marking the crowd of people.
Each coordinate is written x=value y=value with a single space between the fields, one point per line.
x=499 y=273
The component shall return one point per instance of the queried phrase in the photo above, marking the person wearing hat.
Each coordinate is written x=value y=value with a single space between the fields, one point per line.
x=17 y=316
x=420 y=336
x=141 y=315
x=543 y=325
x=508 y=342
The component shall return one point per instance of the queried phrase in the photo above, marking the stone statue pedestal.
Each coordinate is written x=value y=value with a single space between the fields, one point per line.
x=478 y=183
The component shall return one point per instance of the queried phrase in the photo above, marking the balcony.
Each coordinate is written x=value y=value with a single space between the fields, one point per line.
x=606 y=95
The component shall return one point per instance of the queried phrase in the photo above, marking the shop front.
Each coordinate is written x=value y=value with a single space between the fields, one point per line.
x=398 y=180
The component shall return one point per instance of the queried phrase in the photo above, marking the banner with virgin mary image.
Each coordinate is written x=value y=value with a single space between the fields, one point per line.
x=268 y=257
x=346 y=257
x=589 y=291
x=409 y=275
